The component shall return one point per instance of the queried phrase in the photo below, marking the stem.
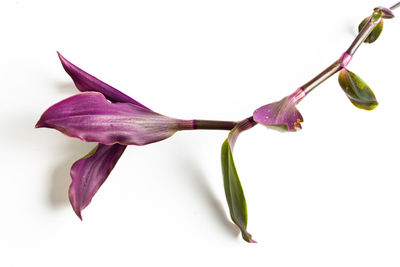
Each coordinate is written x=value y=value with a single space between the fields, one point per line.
x=320 y=78
x=213 y=125
x=395 y=6
x=366 y=30
x=206 y=125
x=346 y=57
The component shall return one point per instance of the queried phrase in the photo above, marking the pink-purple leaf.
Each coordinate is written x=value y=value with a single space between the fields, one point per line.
x=86 y=82
x=90 y=172
x=385 y=12
x=282 y=115
x=79 y=196
x=91 y=118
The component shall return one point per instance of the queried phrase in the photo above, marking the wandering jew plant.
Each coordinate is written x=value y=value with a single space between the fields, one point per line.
x=102 y=114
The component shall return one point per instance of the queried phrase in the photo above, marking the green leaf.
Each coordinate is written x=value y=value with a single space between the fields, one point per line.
x=373 y=36
x=233 y=190
x=357 y=90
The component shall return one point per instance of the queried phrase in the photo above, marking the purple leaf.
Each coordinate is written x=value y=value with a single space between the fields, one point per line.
x=282 y=114
x=386 y=12
x=90 y=172
x=87 y=166
x=91 y=118
x=86 y=82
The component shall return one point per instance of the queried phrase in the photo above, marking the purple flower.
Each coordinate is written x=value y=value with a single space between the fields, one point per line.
x=281 y=115
x=90 y=117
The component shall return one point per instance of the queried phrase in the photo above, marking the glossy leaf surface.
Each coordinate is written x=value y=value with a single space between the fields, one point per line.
x=233 y=188
x=90 y=172
x=234 y=191
x=91 y=118
x=357 y=90
x=373 y=36
x=281 y=115
x=86 y=82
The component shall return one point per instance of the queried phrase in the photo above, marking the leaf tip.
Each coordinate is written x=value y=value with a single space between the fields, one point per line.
x=372 y=106
x=76 y=205
x=246 y=235
x=79 y=216
x=64 y=62
x=40 y=124
x=60 y=56
x=78 y=211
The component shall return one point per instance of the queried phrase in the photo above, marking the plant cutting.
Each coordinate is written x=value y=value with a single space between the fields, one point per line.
x=104 y=115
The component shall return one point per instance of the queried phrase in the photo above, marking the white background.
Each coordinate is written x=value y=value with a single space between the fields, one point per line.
x=328 y=195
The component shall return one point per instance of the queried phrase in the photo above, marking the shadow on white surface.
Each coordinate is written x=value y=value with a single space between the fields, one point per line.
x=199 y=184
x=351 y=30
x=60 y=178
x=65 y=87
x=47 y=144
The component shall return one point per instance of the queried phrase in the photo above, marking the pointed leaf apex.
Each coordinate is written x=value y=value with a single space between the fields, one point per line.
x=79 y=215
x=75 y=205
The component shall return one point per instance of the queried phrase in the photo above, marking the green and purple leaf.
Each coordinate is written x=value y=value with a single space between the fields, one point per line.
x=357 y=90
x=385 y=12
x=233 y=189
x=282 y=115
x=376 y=32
